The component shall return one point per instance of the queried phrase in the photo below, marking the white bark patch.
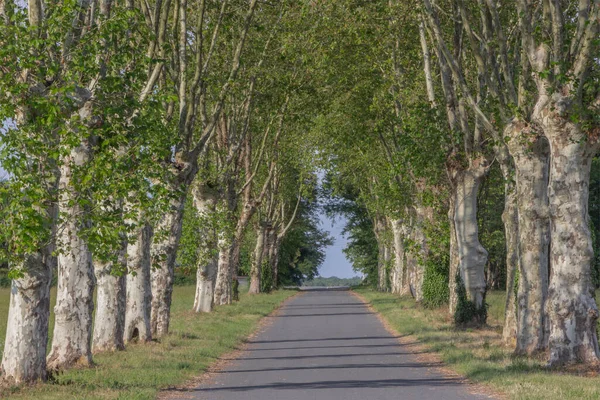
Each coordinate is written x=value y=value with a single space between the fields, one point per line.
x=71 y=340
x=422 y=216
x=571 y=307
x=139 y=294
x=472 y=256
x=511 y=231
x=109 y=321
x=530 y=152
x=379 y=230
x=164 y=252
x=205 y=287
x=223 y=283
x=206 y=274
x=398 y=272
x=24 y=356
x=255 y=269
x=454 y=259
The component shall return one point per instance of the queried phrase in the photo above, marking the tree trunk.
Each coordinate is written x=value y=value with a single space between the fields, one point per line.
x=398 y=269
x=275 y=262
x=71 y=340
x=109 y=322
x=234 y=264
x=405 y=284
x=164 y=252
x=139 y=294
x=472 y=255
x=24 y=357
x=205 y=201
x=379 y=229
x=256 y=266
x=205 y=286
x=511 y=232
x=530 y=152
x=387 y=262
x=422 y=214
x=271 y=252
x=223 y=282
x=454 y=258
x=381 y=271
x=571 y=306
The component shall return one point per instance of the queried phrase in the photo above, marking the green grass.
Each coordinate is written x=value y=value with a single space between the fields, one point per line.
x=196 y=341
x=479 y=354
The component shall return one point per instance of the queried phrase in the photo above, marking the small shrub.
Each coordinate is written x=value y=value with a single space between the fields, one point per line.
x=435 y=286
x=467 y=313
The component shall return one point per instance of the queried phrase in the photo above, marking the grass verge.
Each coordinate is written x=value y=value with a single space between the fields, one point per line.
x=196 y=341
x=478 y=354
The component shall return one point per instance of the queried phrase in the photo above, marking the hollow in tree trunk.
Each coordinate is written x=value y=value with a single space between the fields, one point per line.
x=139 y=294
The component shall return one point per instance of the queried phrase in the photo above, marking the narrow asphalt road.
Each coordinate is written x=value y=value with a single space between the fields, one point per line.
x=327 y=345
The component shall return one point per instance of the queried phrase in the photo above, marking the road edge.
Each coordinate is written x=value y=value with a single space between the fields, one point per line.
x=205 y=377
x=434 y=360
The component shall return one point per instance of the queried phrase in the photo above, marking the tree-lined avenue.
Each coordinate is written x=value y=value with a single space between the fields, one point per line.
x=328 y=345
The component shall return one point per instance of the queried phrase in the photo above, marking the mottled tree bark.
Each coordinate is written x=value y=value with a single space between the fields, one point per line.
x=571 y=306
x=273 y=254
x=109 y=321
x=511 y=232
x=139 y=294
x=422 y=215
x=223 y=283
x=164 y=252
x=472 y=256
x=71 y=340
x=206 y=274
x=381 y=272
x=205 y=286
x=530 y=152
x=454 y=259
x=379 y=229
x=397 y=276
x=405 y=286
x=255 y=269
x=275 y=264
x=24 y=356
x=387 y=261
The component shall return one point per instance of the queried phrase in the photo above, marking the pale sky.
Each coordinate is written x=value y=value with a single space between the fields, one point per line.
x=335 y=263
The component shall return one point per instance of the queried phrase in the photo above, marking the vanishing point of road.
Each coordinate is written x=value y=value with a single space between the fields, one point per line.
x=327 y=345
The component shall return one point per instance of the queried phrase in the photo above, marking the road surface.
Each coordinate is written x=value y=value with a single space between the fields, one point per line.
x=327 y=345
